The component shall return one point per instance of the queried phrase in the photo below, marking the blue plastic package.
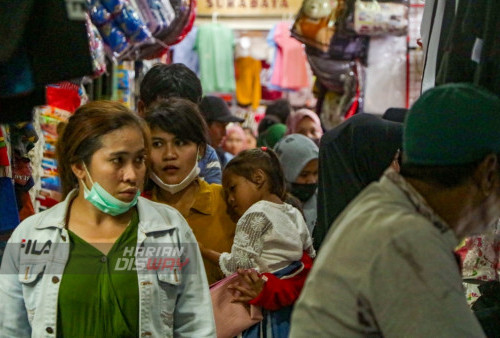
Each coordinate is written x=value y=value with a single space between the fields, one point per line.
x=113 y=6
x=99 y=15
x=113 y=37
x=131 y=24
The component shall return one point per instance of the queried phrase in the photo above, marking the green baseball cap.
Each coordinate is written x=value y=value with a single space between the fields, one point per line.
x=455 y=123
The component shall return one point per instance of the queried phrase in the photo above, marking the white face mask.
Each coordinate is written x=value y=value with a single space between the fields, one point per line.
x=175 y=188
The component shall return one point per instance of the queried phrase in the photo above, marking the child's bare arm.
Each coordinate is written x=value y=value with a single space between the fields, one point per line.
x=209 y=254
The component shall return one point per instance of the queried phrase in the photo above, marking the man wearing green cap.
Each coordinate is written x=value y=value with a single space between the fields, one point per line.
x=388 y=268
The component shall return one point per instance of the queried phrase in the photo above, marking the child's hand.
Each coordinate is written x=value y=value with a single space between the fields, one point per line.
x=250 y=288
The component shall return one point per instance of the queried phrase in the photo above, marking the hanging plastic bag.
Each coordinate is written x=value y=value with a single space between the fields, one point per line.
x=335 y=106
x=158 y=14
x=316 y=22
x=331 y=73
x=113 y=37
x=177 y=29
x=96 y=48
x=376 y=18
x=120 y=25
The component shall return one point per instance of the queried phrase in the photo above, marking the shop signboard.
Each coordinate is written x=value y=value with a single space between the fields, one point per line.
x=241 y=8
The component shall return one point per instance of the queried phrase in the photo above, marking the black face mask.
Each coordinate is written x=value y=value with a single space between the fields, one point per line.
x=303 y=191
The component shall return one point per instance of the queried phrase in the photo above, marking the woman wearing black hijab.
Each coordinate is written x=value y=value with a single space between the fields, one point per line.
x=351 y=156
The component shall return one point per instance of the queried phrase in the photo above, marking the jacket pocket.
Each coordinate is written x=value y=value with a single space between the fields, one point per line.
x=30 y=276
x=170 y=287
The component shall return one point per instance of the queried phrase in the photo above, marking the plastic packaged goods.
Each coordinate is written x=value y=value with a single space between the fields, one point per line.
x=49 y=118
x=131 y=24
x=158 y=14
x=112 y=36
x=96 y=49
x=182 y=23
x=386 y=74
x=331 y=73
x=316 y=22
x=113 y=6
x=121 y=26
x=189 y=26
x=375 y=18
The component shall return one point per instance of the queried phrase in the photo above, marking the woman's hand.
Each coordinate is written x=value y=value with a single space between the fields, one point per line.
x=251 y=286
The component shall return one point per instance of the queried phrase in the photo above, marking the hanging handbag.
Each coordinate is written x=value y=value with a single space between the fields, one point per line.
x=232 y=318
x=315 y=24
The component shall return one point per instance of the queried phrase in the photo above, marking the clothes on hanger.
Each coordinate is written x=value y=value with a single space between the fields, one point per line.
x=215 y=44
x=290 y=54
x=461 y=42
x=184 y=52
x=248 y=88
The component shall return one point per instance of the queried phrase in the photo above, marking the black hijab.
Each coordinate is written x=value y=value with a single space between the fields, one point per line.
x=351 y=156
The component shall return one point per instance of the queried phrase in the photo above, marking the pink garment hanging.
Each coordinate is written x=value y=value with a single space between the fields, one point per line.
x=290 y=70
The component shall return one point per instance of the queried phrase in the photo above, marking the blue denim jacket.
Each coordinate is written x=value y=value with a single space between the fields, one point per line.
x=173 y=302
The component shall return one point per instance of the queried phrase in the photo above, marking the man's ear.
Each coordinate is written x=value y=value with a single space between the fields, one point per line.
x=141 y=108
x=486 y=175
x=202 y=151
x=259 y=177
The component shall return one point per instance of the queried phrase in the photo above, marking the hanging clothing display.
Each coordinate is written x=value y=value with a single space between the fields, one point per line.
x=248 y=88
x=461 y=43
x=289 y=55
x=265 y=81
x=43 y=30
x=4 y=154
x=184 y=52
x=215 y=43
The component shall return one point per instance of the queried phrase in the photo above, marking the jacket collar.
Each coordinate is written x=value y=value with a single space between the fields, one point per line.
x=151 y=218
x=417 y=200
x=56 y=215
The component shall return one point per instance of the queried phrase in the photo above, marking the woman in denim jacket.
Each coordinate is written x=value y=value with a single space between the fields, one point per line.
x=104 y=262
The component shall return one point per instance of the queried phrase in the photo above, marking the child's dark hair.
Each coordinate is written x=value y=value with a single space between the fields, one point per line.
x=180 y=117
x=248 y=161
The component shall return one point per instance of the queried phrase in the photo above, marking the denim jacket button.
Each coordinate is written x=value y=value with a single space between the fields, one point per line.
x=49 y=330
x=55 y=279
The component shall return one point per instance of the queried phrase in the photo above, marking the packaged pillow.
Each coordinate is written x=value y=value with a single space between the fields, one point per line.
x=376 y=18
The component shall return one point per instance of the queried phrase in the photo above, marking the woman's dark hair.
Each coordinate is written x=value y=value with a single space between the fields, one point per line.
x=248 y=161
x=179 y=117
x=80 y=137
x=280 y=108
x=266 y=123
x=165 y=81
